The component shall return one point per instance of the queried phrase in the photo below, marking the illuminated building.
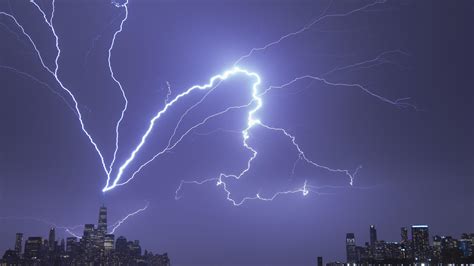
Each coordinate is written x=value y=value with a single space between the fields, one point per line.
x=404 y=235
x=18 y=241
x=351 y=248
x=437 y=247
x=466 y=245
x=51 y=239
x=121 y=246
x=134 y=248
x=72 y=247
x=109 y=243
x=62 y=246
x=33 y=247
x=420 y=242
x=102 y=224
x=373 y=235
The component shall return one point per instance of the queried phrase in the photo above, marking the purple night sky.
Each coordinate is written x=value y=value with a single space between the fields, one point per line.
x=417 y=162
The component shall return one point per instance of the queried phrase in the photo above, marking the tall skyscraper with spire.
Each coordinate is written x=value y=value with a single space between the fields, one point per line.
x=52 y=239
x=102 y=224
x=373 y=235
x=18 y=241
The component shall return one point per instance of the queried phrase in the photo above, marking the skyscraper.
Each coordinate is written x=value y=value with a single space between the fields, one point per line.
x=134 y=248
x=121 y=246
x=62 y=246
x=33 y=247
x=351 y=248
x=88 y=229
x=465 y=245
x=373 y=235
x=88 y=239
x=421 y=242
x=72 y=246
x=404 y=235
x=18 y=241
x=320 y=261
x=52 y=239
x=102 y=224
x=109 y=243
x=437 y=247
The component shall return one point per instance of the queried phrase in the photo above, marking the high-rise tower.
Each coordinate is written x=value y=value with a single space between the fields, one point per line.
x=102 y=225
x=373 y=235
x=404 y=235
x=421 y=242
x=52 y=239
x=351 y=251
x=18 y=241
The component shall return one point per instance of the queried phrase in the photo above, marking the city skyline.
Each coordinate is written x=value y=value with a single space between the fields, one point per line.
x=96 y=245
x=417 y=249
x=213 y=128
x=421 y=247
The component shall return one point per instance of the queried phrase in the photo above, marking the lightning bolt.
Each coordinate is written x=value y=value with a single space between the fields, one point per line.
x=304 y=190
x=322 y=17
x=112 y=74
x=221 y=77
x=67 y=229
x=168 y=92
x=42 y=83
x=71 y=229
x=100 y=34
x=17 y=36
x=118 y=223
x=216 y=131
x=254 y=106
x=378 y=60
x=54 y=72
x=401 y=102
x=70 y=232
x=251 y=122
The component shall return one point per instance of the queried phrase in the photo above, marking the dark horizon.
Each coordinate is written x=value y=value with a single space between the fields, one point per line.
x=416 y=154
